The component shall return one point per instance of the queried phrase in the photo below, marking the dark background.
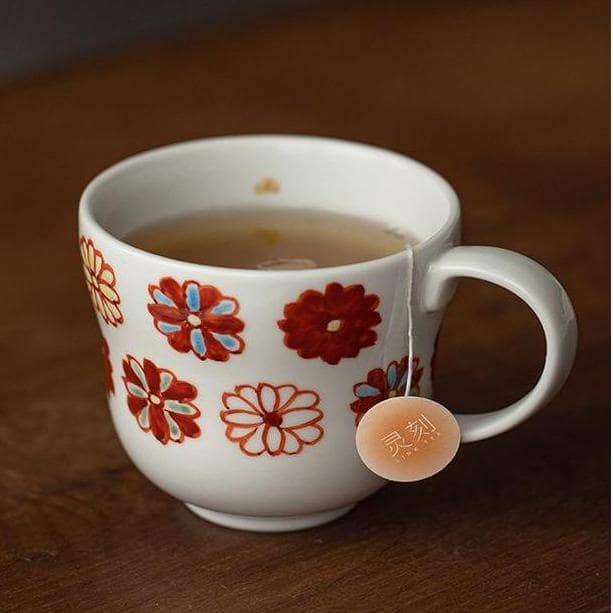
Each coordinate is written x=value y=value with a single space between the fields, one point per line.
x=508 y=100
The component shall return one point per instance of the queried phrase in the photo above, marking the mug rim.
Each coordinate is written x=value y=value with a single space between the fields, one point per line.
x=86 y=213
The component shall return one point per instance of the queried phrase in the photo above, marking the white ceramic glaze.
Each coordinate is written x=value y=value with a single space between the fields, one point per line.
x=287 y=491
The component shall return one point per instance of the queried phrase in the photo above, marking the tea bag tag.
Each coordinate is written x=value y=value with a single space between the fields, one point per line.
x=407 y=438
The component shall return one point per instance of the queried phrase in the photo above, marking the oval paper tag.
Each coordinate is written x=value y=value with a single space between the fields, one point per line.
x=407 y=438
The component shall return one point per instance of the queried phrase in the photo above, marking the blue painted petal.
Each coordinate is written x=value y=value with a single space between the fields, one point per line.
x=366 y=391
x=161 y=298
x=223 y=307
x=197 y=341
x=143 y=418
x=229 y=342
x=167 y=328
x=193 y=297
x=165 y=381
x=392 y=375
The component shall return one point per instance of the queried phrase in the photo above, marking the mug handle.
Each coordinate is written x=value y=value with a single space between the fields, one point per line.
x=541 y=291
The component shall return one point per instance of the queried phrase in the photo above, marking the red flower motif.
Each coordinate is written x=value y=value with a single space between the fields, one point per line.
x=197 y=318
x=273 y=419
x=161 y=403
x=100 y=279
x=108 y=367
x=333 y=325
x=379 y=385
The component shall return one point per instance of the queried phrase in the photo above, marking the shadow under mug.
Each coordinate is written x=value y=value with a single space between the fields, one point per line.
x=238 y=391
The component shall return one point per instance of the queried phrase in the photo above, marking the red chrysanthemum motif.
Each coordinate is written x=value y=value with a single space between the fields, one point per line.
x=100 y=279
x=197 y=318
x=161 y=403
x=108 y=367
x=331 y=325
x=272 y=419
x=379 y=385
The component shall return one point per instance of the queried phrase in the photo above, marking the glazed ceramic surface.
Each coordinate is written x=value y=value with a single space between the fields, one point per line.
x=239 y=391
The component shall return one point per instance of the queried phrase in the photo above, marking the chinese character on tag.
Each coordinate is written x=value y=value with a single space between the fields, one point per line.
x=395 y=442
x=420 y=427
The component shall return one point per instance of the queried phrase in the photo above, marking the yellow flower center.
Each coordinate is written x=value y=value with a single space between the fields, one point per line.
x=194 y=320
x=154 y=399
x=334 y=325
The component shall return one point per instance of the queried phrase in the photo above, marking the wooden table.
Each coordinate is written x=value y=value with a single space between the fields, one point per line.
x=510 y=102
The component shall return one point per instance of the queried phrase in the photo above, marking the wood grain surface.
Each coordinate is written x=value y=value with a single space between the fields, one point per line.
x=510 y=101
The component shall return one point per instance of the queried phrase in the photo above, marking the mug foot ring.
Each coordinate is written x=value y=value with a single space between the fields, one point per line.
x=256 y=523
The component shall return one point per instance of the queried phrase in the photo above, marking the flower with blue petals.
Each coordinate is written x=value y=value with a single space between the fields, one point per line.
x=197 y=318
x=381 y=385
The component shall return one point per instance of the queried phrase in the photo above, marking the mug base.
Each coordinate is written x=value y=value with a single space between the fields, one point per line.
x=255 y=523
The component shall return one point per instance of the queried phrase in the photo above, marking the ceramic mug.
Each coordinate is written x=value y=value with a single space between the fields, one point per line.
x=238 y=391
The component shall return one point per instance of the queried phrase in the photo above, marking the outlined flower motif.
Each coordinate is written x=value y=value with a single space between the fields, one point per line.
x=161 y=403
x=381 y=385
x=197 y=318
x=100 y=279
x=272 y=419
x=331 y=325
x=108 y=367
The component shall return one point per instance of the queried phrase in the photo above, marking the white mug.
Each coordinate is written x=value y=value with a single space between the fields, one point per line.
x=238 y=391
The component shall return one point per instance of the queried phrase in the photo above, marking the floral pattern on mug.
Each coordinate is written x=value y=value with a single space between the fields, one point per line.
x=381 y=385
x=108 y=367
x=100 y=279
x=161 y=403
x=272 y=419
x=197 y=318
x=331 y=325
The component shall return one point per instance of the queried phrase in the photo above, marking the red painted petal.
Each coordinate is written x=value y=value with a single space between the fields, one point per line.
x=309 y=341
x=173 y=290
x=135 y=404
x=159 y=425
x=180 y=341
x=214 y=349
x=416 y=377
x=367 y=338
x=129 y=373
x=347 y=300
x=365 y=319
x=332 y=355
x=370 y=302
x=153 y=376
x=361 y=405
x=376 y=378
x=307 y=354
x=227 y=324
x=334 y=294
x=311 y=299
x=166 y=313
x=308 y=311
x=187 y=425
x=180 y=390
x=209 y=296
